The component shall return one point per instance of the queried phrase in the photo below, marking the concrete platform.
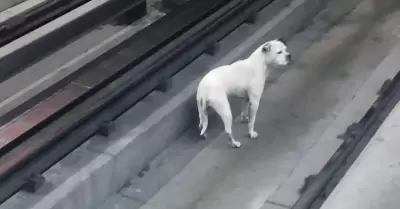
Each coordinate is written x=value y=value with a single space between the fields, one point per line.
x=300 y=115
x=373 y=181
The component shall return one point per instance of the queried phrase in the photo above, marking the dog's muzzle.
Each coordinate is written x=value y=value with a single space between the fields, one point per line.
x=289 y=58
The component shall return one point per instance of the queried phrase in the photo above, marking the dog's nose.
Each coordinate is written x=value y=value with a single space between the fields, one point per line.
x=289 y=57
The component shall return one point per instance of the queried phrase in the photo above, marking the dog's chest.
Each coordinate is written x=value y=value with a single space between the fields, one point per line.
x=236 y=91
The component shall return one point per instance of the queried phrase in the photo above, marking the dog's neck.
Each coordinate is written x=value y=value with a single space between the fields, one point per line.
x=259 y=59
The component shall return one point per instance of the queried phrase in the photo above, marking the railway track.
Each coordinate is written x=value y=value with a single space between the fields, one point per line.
x=318 y=187
x=91 y=99
x=33 y=34
x=21 y=24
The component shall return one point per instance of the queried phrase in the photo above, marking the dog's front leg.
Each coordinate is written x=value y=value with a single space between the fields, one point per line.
x=254 y=102
x=244 y=115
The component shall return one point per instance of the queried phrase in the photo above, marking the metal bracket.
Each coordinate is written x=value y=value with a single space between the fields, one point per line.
x=105 y=128
x=251 y=19
x=212 y=48
x=165 y=85
x=307 y=182
x=33 y=183
x=351 y=132
x=385 y=87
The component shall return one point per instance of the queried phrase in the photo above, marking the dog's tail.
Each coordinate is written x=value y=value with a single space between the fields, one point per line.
x=202 y=109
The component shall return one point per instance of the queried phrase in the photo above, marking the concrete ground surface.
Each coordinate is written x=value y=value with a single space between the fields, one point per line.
x=332 y=84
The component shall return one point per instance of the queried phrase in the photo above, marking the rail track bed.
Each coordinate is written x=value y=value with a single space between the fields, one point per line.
x=121 y=132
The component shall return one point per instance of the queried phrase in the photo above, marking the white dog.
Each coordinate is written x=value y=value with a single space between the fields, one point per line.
x=244 y=78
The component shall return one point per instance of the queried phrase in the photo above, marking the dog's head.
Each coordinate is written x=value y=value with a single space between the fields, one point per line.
x=276 y=53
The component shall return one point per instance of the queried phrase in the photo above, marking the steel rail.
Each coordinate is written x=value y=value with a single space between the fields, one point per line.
x=23 y=23
x=80 y=17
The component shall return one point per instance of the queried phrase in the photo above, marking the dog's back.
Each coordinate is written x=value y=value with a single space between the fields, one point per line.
x=229 y=79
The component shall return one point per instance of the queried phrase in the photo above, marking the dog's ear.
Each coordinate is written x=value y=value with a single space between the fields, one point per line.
x=266 y=48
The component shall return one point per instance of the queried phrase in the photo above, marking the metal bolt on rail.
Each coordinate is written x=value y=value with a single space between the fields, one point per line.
x=212 y=49
x=105 y=128
x=164 y=86
x=33 y=183
x=251 y=19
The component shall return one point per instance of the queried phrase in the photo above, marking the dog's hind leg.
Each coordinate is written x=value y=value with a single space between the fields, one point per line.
x=203 y=117
x=222 y=107
x=203 y=126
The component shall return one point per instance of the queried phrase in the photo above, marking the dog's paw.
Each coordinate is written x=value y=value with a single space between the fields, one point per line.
x=204 y=136
x=253 y=135
x=236 y=144
x=244 y=119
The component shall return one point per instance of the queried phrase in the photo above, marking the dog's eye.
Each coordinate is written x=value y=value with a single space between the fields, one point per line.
x=280 y=52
